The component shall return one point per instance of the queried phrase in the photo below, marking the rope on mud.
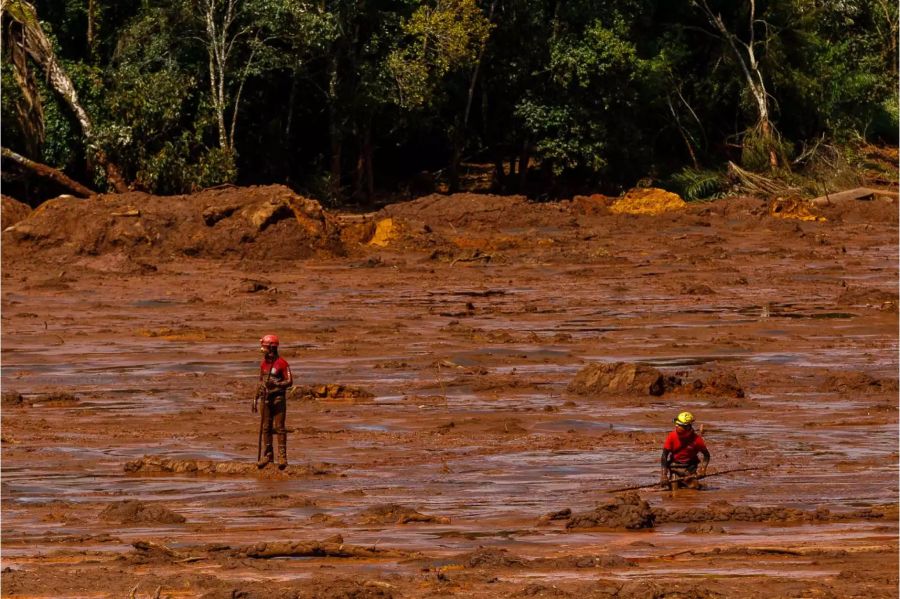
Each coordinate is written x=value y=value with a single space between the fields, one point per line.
x=685 y=478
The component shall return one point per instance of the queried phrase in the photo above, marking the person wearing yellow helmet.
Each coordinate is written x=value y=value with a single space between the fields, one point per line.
x=680 y=454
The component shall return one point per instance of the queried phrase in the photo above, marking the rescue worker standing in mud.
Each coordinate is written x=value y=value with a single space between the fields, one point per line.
x=679 y=455
x=274 y=380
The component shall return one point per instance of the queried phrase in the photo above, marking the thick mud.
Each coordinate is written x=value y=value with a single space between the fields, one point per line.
x=474 y=374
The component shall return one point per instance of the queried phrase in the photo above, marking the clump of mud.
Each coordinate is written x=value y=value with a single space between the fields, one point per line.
x=867 y=297
x=12 y=399
x=489 y=557
x=714 y=380
x=618 y=377
x=624 y=511
x=704 y=528
x=858 y=382
x=12 y=211
x=267 y=222
x=392 y=513
x=132 y=511
x=328 y=391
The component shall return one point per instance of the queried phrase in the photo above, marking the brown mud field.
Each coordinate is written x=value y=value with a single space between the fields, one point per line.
x=473 y=373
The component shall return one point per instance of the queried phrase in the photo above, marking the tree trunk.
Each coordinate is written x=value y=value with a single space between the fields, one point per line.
x=334 y=130
x=369 y=157
x=459 y=137
x=48 y=172
x=38 y=47
x=752 y=74
x=524 y=156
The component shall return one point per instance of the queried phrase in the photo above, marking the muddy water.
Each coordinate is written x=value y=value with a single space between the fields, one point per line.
x=470 y=420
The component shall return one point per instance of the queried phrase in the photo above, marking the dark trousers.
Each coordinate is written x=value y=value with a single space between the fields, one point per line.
x=274 y=410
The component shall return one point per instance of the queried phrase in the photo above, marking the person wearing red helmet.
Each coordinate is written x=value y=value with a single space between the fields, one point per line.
x=274 y=380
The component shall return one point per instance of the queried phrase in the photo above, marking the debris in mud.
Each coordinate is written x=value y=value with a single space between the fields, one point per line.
x=704 y=528
x=132 y=511
x=714 y=380
x=723 y=511
x=489 y=557
x=650 y=589
x=623 y=511
x=392 y=513
x=858 y=382
x=793 y=207
x=583 y=561
x=563 y=514
x=211 y=467
x=330 y=547
x=324 y=519
x=696 y=289
x=12 y=399
x=542 y=590
x=647 y=201
x=618 y=377
x=254 y=286
x=150 y=551
x=328 y=391
x=867 y=297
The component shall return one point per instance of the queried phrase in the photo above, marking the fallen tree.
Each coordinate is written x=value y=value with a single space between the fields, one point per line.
x=48 y=172
x=24 y=36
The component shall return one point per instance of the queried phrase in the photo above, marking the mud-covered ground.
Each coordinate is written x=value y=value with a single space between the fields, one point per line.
x=436 y=446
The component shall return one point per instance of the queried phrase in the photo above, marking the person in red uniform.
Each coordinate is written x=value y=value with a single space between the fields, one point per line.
x=680 y=454
x=274 y=380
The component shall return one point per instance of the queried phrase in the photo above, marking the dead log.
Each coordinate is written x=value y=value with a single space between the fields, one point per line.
x=48 y=172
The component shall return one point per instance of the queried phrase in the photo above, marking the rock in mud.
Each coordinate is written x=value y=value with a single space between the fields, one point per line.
x=618 y=377
x=624 y=511
x=132 y=511
x=392 y=513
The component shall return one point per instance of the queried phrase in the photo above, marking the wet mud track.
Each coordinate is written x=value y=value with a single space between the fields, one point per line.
x=436 y=484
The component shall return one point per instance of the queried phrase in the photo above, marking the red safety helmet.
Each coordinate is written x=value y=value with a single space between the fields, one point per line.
x=269 y=341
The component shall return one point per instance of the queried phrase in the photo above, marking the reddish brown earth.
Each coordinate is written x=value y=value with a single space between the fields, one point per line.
x=436 y=446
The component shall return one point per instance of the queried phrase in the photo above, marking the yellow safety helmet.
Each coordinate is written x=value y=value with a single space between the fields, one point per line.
x=685 y=419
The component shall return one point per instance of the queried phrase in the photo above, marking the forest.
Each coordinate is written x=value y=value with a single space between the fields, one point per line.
x=355 y=101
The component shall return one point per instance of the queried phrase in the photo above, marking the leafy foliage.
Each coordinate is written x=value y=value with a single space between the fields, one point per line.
x=557 y=95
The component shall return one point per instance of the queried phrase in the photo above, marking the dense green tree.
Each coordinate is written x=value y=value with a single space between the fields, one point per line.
x=342 y=98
